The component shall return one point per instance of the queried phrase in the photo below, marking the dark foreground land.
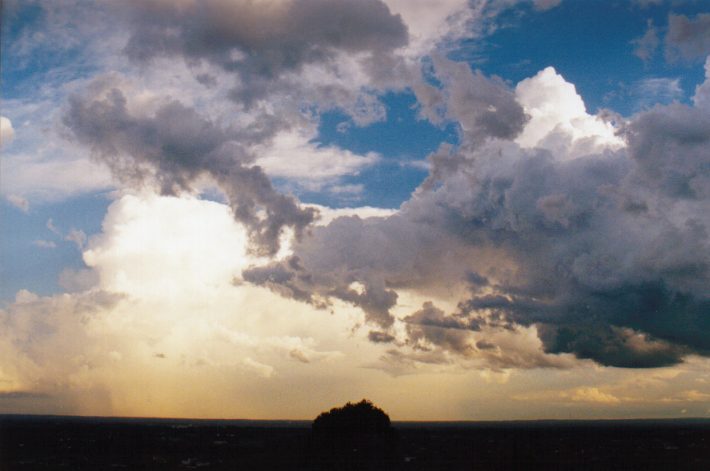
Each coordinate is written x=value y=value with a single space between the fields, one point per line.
x=42 y=443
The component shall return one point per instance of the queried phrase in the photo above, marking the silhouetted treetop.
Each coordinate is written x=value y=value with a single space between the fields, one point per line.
x=362 y=417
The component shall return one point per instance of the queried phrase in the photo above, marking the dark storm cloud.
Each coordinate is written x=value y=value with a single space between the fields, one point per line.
x=484 y=107
x=413 y=249
x=262 y=41
x=646 y=325
x=485 y=345
x=378 y=254
x=431 y=324
x=671 y=145
x=269 y=36
x=174 y=145
x=688 y=38
x=592 y=275
x=286 y=279
x=330 y=260
x=380 y=337
x=607 y=254
x=431 y=316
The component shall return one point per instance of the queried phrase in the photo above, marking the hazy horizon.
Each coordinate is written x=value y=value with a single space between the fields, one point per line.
x=395 y=422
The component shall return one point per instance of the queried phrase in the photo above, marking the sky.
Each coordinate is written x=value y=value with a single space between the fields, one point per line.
x=457 y=209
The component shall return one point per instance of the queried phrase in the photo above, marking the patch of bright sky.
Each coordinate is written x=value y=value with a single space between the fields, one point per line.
x=29 y=66
x=27 y=263
x=35 y=65
x=403 y=139
x=590 y=44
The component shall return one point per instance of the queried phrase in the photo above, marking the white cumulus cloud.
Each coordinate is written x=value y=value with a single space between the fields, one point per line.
x=558 y=117
x=7 y=132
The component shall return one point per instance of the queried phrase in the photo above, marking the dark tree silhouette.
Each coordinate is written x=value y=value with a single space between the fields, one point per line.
x=363 y=417
x=355 y=436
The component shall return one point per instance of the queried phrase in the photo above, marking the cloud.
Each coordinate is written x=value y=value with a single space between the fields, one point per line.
x=701 y=99
x=688 y=39
x=658 y=90
x=40 y=180
x=278 y=81
x=19 y=202
x=326 y=215
x=431 y=23
x=651 y=270
x=645 y=46
x=588 y=395
x=543 y=5
x=77 y=280
x=301 y=31
x=545 y=222
x=376 y=252
x=174 y=145
x=77 y=236
x=55 y=47
x=263 y=370
x=290 y=155
x=647 y=3
x=7 y=132
x=281 y=81
x=133 y=230
x=52 y=228
x=380 y=337
x=44 y=244
x=558 y=118
x=354 y=36
x=431 y=324
x=670 y=145
x=544 y=239
x=170 y=336
x=144 y=330
x=40 y=331
x=484 y=107
x=5 y=395
x=590 y=237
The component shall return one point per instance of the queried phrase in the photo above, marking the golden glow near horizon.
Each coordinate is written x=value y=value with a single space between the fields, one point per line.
x=169 y=332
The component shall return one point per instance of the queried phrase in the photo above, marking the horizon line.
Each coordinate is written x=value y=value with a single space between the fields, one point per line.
x=393 y=421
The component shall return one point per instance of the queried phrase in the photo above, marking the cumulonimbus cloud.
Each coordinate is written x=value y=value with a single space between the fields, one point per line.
x=593 y=234
x=605 y=253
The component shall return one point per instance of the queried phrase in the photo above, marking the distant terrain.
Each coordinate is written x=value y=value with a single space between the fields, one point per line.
x=80 y=443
